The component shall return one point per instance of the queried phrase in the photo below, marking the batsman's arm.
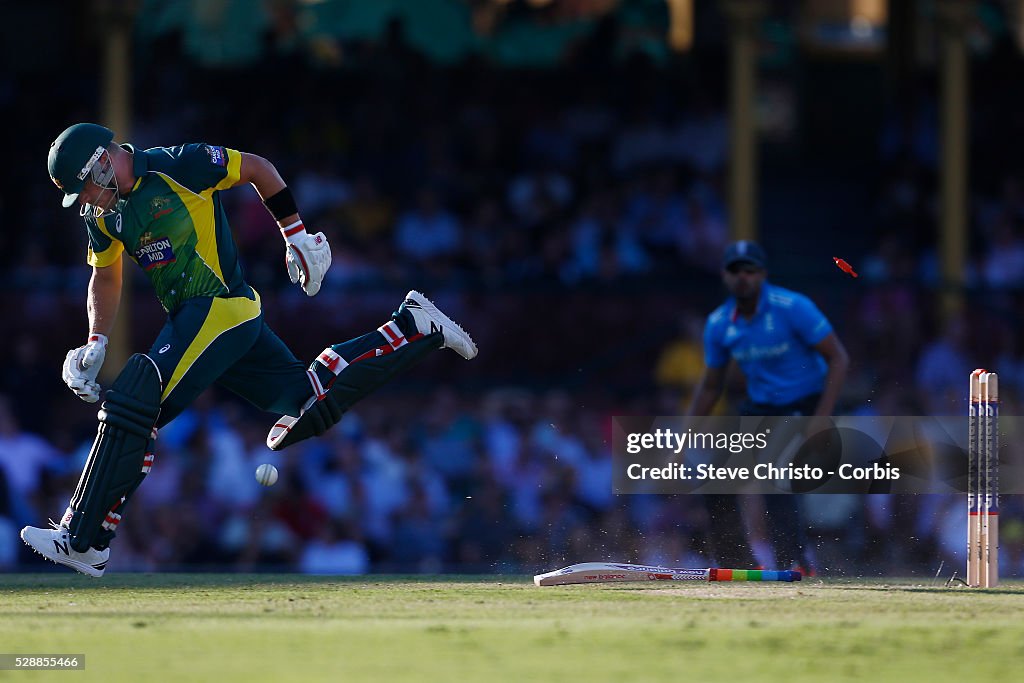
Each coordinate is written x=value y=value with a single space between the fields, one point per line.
x=104 y=297
x=263 y=175
x=838 y=360
x=307 y=257
x=708 y=391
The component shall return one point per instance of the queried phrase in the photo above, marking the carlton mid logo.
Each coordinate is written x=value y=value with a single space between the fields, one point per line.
x=154 y=252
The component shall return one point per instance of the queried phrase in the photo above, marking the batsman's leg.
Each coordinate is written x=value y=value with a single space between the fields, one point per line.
x=116 y=512
x=198 y=342
x=345 y=373
x=116 y=465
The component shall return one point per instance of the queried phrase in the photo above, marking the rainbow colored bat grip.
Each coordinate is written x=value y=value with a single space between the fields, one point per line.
x=754 y=575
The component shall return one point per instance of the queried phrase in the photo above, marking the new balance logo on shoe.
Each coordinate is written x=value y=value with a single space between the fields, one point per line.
x=55 y=545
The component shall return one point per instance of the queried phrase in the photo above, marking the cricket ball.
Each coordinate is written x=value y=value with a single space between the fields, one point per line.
x=266 y=474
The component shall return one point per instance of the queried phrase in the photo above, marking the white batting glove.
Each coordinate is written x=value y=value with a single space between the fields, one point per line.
x=308 y=257
x=81 y=366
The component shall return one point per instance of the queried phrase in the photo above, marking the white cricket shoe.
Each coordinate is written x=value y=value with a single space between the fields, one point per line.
x=429 y=319
x=55 y=545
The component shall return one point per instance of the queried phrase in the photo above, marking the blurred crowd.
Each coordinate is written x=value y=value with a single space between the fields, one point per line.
x=573 y=220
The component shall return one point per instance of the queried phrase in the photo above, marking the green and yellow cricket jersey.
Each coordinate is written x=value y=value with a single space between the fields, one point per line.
x=173 y=224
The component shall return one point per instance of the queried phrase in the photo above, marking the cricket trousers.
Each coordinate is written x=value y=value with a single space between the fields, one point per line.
x=786 y=530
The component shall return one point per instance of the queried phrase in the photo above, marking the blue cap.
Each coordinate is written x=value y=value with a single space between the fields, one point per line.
x=744 y=251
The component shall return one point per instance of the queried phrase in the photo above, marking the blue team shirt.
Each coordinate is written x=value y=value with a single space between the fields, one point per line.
x=774 y=348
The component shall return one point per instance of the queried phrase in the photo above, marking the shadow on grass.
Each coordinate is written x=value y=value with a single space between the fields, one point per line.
x=175 y=580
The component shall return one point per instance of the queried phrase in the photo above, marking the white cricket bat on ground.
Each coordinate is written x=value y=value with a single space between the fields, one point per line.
x=607 y=572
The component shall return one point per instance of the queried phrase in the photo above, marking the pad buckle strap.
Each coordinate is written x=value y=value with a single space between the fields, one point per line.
x=332 y=361
x=318 y=388
x=393 y=334
x=111 y=521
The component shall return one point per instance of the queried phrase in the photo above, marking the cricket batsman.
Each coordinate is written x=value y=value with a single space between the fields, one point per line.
x=162 y=207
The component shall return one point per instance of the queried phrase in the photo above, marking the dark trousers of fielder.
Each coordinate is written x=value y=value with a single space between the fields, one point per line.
x=786 y=531
x=222 y=341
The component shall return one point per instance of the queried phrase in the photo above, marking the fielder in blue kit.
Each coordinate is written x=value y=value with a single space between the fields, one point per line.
x=794 y=364
x=161 y=207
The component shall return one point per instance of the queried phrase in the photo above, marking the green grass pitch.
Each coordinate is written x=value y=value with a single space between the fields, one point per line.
x=234 y=627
